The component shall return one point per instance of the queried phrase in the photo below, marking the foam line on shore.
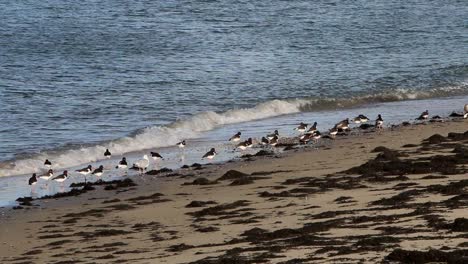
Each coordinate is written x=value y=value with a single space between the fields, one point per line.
x=192 y=127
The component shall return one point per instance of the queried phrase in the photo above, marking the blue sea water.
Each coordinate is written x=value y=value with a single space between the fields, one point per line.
x=77 y=77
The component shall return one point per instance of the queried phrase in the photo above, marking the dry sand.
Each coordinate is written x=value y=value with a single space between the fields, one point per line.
x=295 y=207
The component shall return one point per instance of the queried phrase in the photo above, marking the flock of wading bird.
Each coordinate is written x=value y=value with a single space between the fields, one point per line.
x=307 y=134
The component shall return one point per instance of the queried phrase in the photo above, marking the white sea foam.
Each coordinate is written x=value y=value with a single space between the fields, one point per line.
x=163 y=136
x=151 y=137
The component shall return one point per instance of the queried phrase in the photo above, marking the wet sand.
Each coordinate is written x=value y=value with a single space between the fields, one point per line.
x=394 y=196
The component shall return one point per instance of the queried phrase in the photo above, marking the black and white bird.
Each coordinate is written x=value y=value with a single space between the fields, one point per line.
x=312 y=129
x=274 y=141
x=156 y=156
x=360 y=119
x=210 y=154
x=264 y=141
x=236 y=137
x=379 y=122
x=122 y=164
x=48 y=175
x=107 y=154
x=33 y=179
x=316 y=136
x=62 y=177
x=47 y=164
x=99 y=171
x=249 y=142
x=301 y=127
x=311 y=136
x=304 y=139
x=271 y=136
x=333 y=131
x=305 y=136
x=181 y=144
x=85 y=171
x=343 y=125
x=246 y=144
x=242 y=145
x=142 y=164
x=424 y=115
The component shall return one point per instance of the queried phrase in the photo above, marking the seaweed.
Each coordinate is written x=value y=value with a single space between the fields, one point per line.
x=406 y=256
x=232 y=175
x=199 y=204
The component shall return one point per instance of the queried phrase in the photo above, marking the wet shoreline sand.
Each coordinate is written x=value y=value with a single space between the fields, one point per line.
x=343 y=202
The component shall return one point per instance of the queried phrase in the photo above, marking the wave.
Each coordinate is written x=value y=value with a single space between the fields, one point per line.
x=148 y=138
x=318 y=104
x=164 y=136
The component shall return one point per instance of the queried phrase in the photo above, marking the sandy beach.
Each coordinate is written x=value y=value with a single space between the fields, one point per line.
x=233 y=132
x=397 y=196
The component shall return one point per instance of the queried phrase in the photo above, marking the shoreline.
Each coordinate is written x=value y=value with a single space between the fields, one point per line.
x=224 y=210
x=73 y=158
x=286 y=143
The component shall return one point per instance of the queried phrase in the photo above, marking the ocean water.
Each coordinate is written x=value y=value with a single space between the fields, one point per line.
x=77 y=77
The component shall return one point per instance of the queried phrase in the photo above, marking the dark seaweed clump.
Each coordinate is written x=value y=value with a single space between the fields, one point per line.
x=458 y=136
x=232 y=175
x=266 y=194
x=102 y=233
x=388 y=163
x=433 y=255
x=156 y=172
x=264 y=153
x=434 y=139
x=24 y=201
x=220 y=209
x=398 y=199
x=118 y=183
x=199 y=204
x=239 y=178
x=200 y=181
x=459 y=225
x=196 y=165
x=72 y=192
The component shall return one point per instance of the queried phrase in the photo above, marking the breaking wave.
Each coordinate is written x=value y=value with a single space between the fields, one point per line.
x=168 y=135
